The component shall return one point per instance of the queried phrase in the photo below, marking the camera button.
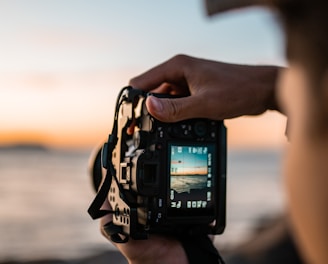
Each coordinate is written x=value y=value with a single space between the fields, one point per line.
x=159 y=146
x=117 y=212
x=160 y=132
x=160 y=202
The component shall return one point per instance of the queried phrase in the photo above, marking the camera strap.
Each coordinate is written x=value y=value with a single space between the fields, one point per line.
x=95 y=210
x=115 y=233
x=200 y=249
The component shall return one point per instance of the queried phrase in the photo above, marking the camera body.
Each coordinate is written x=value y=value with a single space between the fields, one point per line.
x=170 y=177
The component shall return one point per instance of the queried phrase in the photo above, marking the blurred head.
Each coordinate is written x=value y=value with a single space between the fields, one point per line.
x=305 y=25
x=304 y=21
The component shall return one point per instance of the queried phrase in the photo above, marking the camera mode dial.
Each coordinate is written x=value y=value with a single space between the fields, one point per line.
x=200 y=129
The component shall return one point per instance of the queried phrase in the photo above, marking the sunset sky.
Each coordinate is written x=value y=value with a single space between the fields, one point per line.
x=62 y=63
x=189 y=160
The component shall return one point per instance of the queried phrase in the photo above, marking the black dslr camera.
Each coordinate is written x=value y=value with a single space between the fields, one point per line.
x=164 y=178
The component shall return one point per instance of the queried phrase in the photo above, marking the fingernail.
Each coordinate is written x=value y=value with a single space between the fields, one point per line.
x=156 y=103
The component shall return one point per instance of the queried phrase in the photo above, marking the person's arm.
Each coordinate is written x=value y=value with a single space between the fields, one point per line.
x=218 y=90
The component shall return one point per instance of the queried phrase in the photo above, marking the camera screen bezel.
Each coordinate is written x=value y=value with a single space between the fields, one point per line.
x=209 y=211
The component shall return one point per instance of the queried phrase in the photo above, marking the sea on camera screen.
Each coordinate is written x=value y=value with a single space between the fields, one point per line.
x=191 y=176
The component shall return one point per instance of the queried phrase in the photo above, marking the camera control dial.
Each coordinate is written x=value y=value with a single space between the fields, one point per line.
x=200 y=128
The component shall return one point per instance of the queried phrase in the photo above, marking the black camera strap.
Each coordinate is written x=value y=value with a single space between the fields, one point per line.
x=200 y=249
x=115 y=233
x=95 y=210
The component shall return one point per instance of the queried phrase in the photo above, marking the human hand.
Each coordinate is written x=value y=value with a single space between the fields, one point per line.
x=217 y=90
x=155 y=249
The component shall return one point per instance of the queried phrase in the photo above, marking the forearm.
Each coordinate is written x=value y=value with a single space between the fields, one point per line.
x=263 y=85
x=271 y=75
x=225 y=90
x=155 y=250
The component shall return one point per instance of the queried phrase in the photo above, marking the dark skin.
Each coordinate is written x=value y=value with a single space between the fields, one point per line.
x=224 y=90
x=219 y=91
x=213 y=90
x=156 y=249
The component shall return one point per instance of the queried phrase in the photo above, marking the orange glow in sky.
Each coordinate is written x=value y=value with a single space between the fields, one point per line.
x=63 y=63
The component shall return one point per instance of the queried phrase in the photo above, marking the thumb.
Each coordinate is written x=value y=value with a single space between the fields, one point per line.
x=171 y=110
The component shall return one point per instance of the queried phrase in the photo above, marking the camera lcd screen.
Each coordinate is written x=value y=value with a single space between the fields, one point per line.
x=191 y=179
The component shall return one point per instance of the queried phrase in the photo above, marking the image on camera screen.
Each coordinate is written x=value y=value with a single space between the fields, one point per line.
x=191 y=176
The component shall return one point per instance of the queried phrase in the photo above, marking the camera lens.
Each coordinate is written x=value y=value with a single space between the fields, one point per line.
x=200 y=129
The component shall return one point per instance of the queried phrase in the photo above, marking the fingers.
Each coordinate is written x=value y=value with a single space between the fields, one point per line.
x=217 y=90
x=173 y=110
x=171 y=71
x=168 y=78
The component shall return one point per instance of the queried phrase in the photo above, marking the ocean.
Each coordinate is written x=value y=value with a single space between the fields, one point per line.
x=44 y=196
x=185 y=183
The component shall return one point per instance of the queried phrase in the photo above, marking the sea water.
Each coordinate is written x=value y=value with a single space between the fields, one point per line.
x=185 y=183
x=44 y=196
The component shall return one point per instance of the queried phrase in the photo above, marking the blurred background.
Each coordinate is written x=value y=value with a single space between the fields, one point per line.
x=62 y=63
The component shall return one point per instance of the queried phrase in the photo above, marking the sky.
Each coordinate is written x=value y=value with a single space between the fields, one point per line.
x=62 y=63
x=188 y=160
